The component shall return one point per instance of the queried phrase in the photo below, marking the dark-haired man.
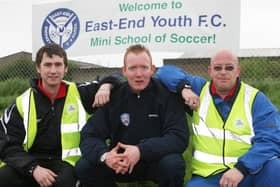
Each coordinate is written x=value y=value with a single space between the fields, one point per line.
x=42 y=126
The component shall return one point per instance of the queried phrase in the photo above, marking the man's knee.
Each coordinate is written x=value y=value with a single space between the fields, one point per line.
x=83 y=169
x=89 y=173
x=10 y=177
x=172 y=164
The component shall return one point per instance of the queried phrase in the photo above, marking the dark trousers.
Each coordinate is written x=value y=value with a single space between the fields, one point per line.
x=9 y=177
x=167 y=172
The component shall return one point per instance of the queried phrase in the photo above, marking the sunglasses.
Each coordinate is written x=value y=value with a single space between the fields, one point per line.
x=220 y=68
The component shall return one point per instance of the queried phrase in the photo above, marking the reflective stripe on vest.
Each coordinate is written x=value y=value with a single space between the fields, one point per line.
x=217 y=144
x=73 y=119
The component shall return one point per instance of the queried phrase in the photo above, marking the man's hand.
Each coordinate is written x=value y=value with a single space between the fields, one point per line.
x=231 y=178
x=102 y=95
x=116 y=161
x=191 y=99
x=44 y=177
x=131 y=155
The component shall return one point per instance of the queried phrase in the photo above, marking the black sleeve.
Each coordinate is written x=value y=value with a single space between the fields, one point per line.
x=3 y=137
x=179 y=89
x=181 y=85
x=116 y=79
x=94 y=135
x=13 y=153
x=241 y=168
x=88 y=90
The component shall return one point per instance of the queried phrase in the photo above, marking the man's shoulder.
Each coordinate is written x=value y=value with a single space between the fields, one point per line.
x=162 y=94
x=160 y=88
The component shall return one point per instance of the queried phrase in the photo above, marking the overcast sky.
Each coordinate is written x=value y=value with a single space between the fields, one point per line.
x=260 y=24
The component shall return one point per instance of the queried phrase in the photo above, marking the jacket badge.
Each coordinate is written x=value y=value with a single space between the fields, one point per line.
x=125 y=119
x=239 y=123
x=71 y=108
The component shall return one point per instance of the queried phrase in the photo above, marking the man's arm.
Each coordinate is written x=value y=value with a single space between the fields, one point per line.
x=266 y=142
x=94 y=135
x=179 y=81
x=173 y=77
x=13 y=153
x=97 y=93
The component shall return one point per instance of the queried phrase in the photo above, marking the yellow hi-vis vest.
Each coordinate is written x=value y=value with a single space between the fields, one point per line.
x=73 y=119
x=217 y=145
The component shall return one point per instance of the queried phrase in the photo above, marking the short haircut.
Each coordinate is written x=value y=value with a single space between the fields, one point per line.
x=137 y=48
x=50 y=50
x=226 y=54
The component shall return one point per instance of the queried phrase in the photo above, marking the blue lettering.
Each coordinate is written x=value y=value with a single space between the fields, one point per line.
x=213 y=22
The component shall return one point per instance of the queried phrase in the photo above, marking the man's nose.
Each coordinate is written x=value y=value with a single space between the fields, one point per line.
x=53 y=69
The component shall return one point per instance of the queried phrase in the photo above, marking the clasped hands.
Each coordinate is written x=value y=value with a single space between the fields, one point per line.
x=124 y=162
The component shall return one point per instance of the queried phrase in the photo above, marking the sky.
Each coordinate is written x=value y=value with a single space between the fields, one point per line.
x=259 y=27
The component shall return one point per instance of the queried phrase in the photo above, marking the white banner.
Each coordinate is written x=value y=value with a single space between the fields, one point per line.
x=196 y=28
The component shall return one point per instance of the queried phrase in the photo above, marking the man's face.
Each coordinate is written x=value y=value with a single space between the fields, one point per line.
x=224 y=70
x=51 y=70
x=138 y=70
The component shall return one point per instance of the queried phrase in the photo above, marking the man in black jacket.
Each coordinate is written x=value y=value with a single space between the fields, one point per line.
x=41 y=128
x=139 y=135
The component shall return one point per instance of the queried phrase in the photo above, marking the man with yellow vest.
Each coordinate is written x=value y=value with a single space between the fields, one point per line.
x=42 y=127
x=236 y=129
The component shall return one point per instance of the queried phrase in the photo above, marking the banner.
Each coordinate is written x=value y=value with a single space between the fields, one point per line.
x=195 y=28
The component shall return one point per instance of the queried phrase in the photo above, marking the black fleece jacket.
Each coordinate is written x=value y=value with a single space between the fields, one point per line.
x=154 y=120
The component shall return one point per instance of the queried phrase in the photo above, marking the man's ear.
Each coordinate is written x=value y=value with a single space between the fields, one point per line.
x=123 y=70
x=37 y=68
x=153 y=68
x=66 y=69
x=209 y=69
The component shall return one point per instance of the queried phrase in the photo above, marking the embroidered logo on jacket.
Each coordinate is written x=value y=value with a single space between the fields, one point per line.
x=239 y=123
x=125 y=119
x=71 y=108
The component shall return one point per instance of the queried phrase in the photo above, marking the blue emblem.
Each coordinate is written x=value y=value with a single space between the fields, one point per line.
x=239 y=123
x=71 y=108
x=125 y=119
x=61 y=26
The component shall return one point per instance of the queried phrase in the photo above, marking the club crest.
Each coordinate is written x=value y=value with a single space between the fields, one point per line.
x=239 y=123
x=71 y=108
x=125 y=119
x=61 y=26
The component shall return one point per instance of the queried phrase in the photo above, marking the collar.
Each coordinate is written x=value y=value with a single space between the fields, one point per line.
x=230 y=94
x=61 y=92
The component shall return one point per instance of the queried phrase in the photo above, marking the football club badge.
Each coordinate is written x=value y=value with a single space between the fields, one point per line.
x=61 y=26
x=71 y=108
x=239 y=123
x=125 y=119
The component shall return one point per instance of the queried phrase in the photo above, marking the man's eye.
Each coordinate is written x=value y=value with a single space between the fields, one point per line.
x=218 y=68
x=132 y=68
x=58 y=64
x=47 y=65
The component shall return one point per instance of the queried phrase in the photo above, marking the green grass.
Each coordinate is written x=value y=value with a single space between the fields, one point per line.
x=270 y=88
x=10 y=89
